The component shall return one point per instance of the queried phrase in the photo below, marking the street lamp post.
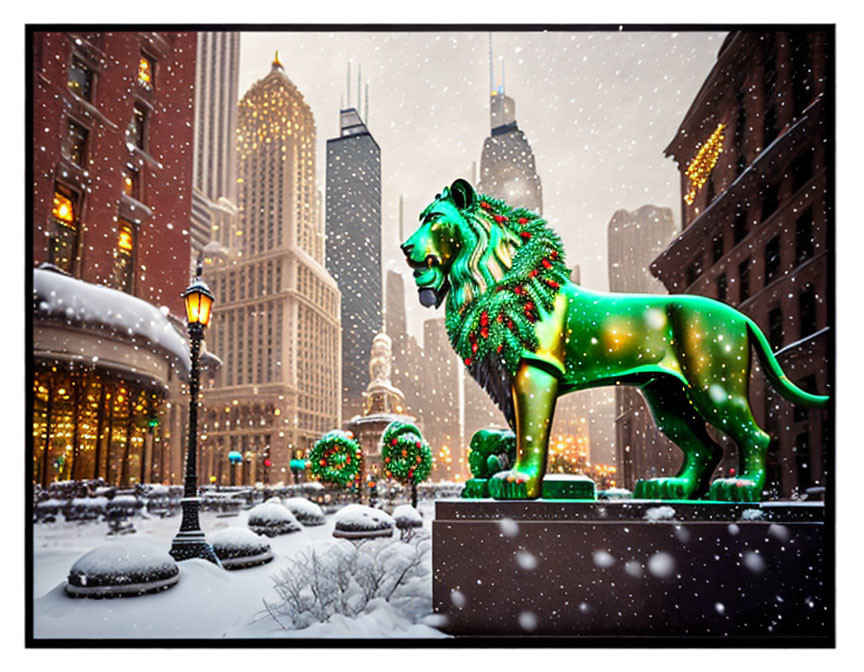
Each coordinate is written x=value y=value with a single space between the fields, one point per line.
x=190 y=542
x=235 y=457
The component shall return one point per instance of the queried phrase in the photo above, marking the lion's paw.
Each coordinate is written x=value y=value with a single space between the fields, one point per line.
x=669 y=487
x=513 y=484
x=735 y=490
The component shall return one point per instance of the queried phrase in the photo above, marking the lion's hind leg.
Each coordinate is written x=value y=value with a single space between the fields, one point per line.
x=676 y=418
x=736 y=419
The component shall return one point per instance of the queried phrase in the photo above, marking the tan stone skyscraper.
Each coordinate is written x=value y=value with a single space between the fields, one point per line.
x=276 y=318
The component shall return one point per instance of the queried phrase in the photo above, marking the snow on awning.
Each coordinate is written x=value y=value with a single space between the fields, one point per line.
x=83 y=304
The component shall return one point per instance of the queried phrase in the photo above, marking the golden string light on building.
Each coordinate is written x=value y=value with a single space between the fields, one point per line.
x=703 y=163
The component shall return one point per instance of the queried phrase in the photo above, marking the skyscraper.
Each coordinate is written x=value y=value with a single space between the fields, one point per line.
x=276 y=317
x=634 y=240
x=507 y=168
x=354 y=246
x=214 y=190
x=507 y=171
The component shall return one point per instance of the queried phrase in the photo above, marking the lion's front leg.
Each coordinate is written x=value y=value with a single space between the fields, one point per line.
x=535 y=392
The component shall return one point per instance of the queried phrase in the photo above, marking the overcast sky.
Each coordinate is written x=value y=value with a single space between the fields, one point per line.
x=598 y=109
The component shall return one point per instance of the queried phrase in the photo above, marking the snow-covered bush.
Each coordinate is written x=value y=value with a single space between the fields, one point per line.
x=408 y=521
x=120 y=568
x=47 y=510
x=308 y=513
x=356 y=520
x=350 y=581
x=237 y=548
x=271 y=519
x=85 y=508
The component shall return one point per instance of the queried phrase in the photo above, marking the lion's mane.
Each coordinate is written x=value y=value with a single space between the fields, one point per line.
x=510 y=265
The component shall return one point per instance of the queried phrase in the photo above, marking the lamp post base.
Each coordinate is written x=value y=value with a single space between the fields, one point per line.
x=190 y=542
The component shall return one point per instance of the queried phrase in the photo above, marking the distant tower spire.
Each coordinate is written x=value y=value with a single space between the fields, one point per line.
x=491 y=75
x=276 y=62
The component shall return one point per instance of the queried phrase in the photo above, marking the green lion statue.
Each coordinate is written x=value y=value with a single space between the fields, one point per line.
x=490 y=451
x=527 y=335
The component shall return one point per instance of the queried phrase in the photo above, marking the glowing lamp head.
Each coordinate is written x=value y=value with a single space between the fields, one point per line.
x=199 y=301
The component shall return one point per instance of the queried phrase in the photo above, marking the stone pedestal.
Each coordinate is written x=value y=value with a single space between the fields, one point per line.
x=632 y=569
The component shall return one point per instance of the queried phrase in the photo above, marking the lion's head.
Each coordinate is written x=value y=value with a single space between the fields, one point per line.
x=460 y=247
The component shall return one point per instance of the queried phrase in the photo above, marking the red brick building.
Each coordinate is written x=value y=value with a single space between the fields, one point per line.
x=112 y=159
x=754 y=156
x=112 y=133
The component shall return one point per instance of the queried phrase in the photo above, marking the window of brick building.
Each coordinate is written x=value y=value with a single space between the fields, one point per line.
x=80 y=79
x=775 y=328
x=744 y=280
x=123 y=273
x=804 y=236
x=694 y=270
x=131 y=181
x=807 y=310
x=802 y=170
x=739 y=226
x=770 y=200
x=75 y=142
x=717 y=249
x=722 y=287
x=146 y=67
x=64 y=240
x=772 y=259
x=136 y=133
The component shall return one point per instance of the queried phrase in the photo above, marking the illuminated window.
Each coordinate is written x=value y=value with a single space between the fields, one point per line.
x=131 y=181
x=80 y=79
x=64 y=241
x=145 y=72
x=136 y=132
x=74 y=142
x=123 y=273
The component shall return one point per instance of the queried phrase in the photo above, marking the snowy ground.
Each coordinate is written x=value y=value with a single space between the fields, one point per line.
x=206 y=603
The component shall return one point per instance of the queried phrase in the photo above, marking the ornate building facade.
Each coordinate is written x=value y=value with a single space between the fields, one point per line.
x=112 y=160
x=276 y=316
x=754 y=152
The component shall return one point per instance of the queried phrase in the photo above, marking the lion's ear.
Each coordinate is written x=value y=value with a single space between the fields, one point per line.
x=462 y=193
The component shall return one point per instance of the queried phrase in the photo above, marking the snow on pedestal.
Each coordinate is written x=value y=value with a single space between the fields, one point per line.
x=358 y=521
x=308 y=513
x=238 y=548
x=122 y=568
x=271 y=519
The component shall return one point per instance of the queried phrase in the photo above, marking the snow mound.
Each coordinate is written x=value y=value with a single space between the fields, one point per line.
x=656 y=513
x=271 y=519
x=129 y=567
x=407 y=516
x=308 y=513
x=359 y=520
x=237 y=547
x=616 y=493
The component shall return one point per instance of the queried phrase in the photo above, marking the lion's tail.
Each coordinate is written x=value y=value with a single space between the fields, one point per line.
x=774 y=373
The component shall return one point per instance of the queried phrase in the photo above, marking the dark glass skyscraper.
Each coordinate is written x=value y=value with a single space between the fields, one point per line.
x=353 y=250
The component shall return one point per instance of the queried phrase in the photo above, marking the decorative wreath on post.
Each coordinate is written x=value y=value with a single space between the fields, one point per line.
x=407 y=456
x=335 y=458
